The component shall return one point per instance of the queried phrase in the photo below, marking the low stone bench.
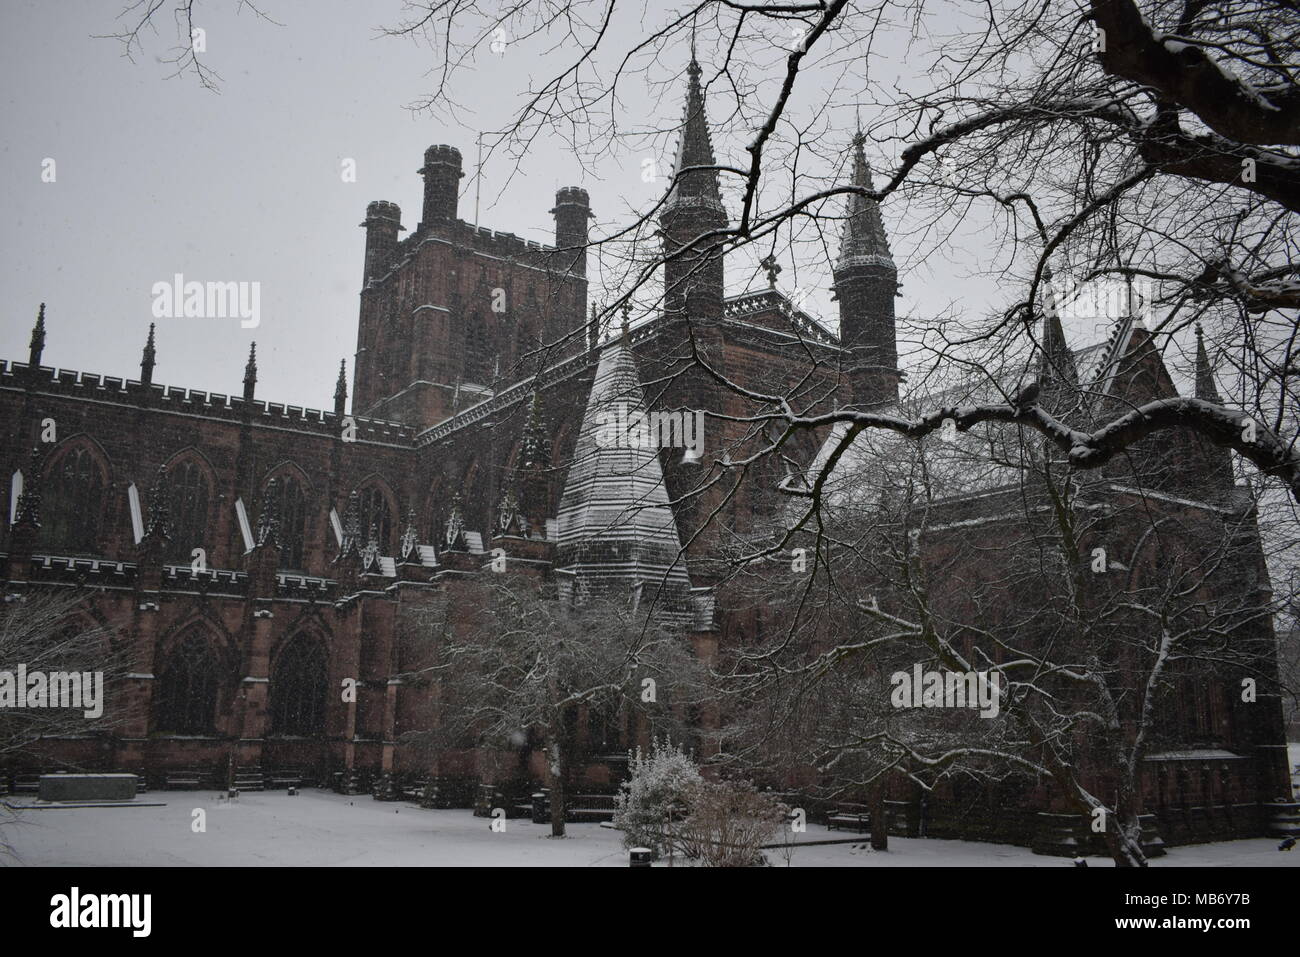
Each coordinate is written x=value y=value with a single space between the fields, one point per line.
x=69 y=788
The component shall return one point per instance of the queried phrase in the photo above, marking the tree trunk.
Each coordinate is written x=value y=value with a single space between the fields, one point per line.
x=879 y=825
x=558 y=800
x=1124 y=832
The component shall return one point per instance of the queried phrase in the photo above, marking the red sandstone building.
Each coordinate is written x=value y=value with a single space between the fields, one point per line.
x=475 y=370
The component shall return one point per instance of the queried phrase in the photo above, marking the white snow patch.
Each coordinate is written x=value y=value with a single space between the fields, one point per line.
x=323 y=829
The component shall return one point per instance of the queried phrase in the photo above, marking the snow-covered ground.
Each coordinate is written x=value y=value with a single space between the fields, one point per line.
x=320 y=828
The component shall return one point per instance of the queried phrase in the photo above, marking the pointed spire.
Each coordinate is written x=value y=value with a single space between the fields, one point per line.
x=410 y=538
x=533 y=472
x=341 y=388
x=864 y=242
x=268 y=527
x=159 y=528
x=1205 y=387
x=147 y=359
x=1058 y=377
x=351 y=544
x=37 y=345
x=535 y=450
x=370 y=554
x=250 y=373
x=509 y=521
x=455 y=537
x=694 y=148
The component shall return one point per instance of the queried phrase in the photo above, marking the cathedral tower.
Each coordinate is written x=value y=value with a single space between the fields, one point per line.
x=866 y=282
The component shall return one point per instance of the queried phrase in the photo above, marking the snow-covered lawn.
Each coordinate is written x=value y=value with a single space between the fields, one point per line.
x=320 y=828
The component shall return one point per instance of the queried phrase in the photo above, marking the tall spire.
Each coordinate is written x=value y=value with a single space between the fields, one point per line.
x=698 y=187
x=341 y=388
x=1205 y=387
x=250 y=373
x=692 y=218
x=147 y=359
x=1058 y=377
x=863 y=241
x=37 y=345
x=866 y=283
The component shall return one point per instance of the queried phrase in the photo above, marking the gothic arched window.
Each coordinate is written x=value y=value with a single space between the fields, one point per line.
x=188 y=496
x=298 y=688
x=74 y=501
x=185 y=698
x=375 y=511
x=292 y=509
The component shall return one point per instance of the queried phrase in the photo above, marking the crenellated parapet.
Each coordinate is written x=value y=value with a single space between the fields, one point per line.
x=232 y=408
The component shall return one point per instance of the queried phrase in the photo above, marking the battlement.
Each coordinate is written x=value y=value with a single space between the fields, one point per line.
x=506 y=245
x=72 y=384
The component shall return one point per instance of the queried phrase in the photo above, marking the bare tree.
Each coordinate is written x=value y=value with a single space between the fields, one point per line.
x=528 y=663
x=57 y=670
x=1107 y=627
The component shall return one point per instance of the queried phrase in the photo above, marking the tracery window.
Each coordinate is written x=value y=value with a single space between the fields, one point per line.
x=375 y=511
x=298 y=688
x=188 y=497
x=291 y=506
x=74 y=501
x=185 y=698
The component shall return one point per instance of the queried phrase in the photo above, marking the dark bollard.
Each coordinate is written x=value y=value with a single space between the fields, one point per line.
x=640 y=857
x=293 y=791
x=541 y=808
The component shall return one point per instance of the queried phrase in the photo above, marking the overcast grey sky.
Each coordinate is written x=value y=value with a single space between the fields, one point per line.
x=157 y=176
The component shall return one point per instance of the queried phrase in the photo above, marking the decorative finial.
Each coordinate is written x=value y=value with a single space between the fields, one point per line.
x=148 y=358
x=773 y=269
x=250 y=372
x=159 y=528
x=37 y=345
x=341 y=388
x=410 y=536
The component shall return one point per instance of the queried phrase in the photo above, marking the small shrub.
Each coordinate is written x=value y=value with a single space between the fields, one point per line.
x=728 y=823
x=655 y=795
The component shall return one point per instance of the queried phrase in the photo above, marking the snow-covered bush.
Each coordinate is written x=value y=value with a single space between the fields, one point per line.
x=728 y=824
x=655 y=795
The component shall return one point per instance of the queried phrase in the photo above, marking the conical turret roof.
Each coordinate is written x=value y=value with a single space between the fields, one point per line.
x=616 y=531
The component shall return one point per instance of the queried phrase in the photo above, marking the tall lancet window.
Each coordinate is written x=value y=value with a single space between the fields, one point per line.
x=299 y=688
x=375 y=511
x=185 y=697
x=74 y=501
x=291 y=506
x=189 y=494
